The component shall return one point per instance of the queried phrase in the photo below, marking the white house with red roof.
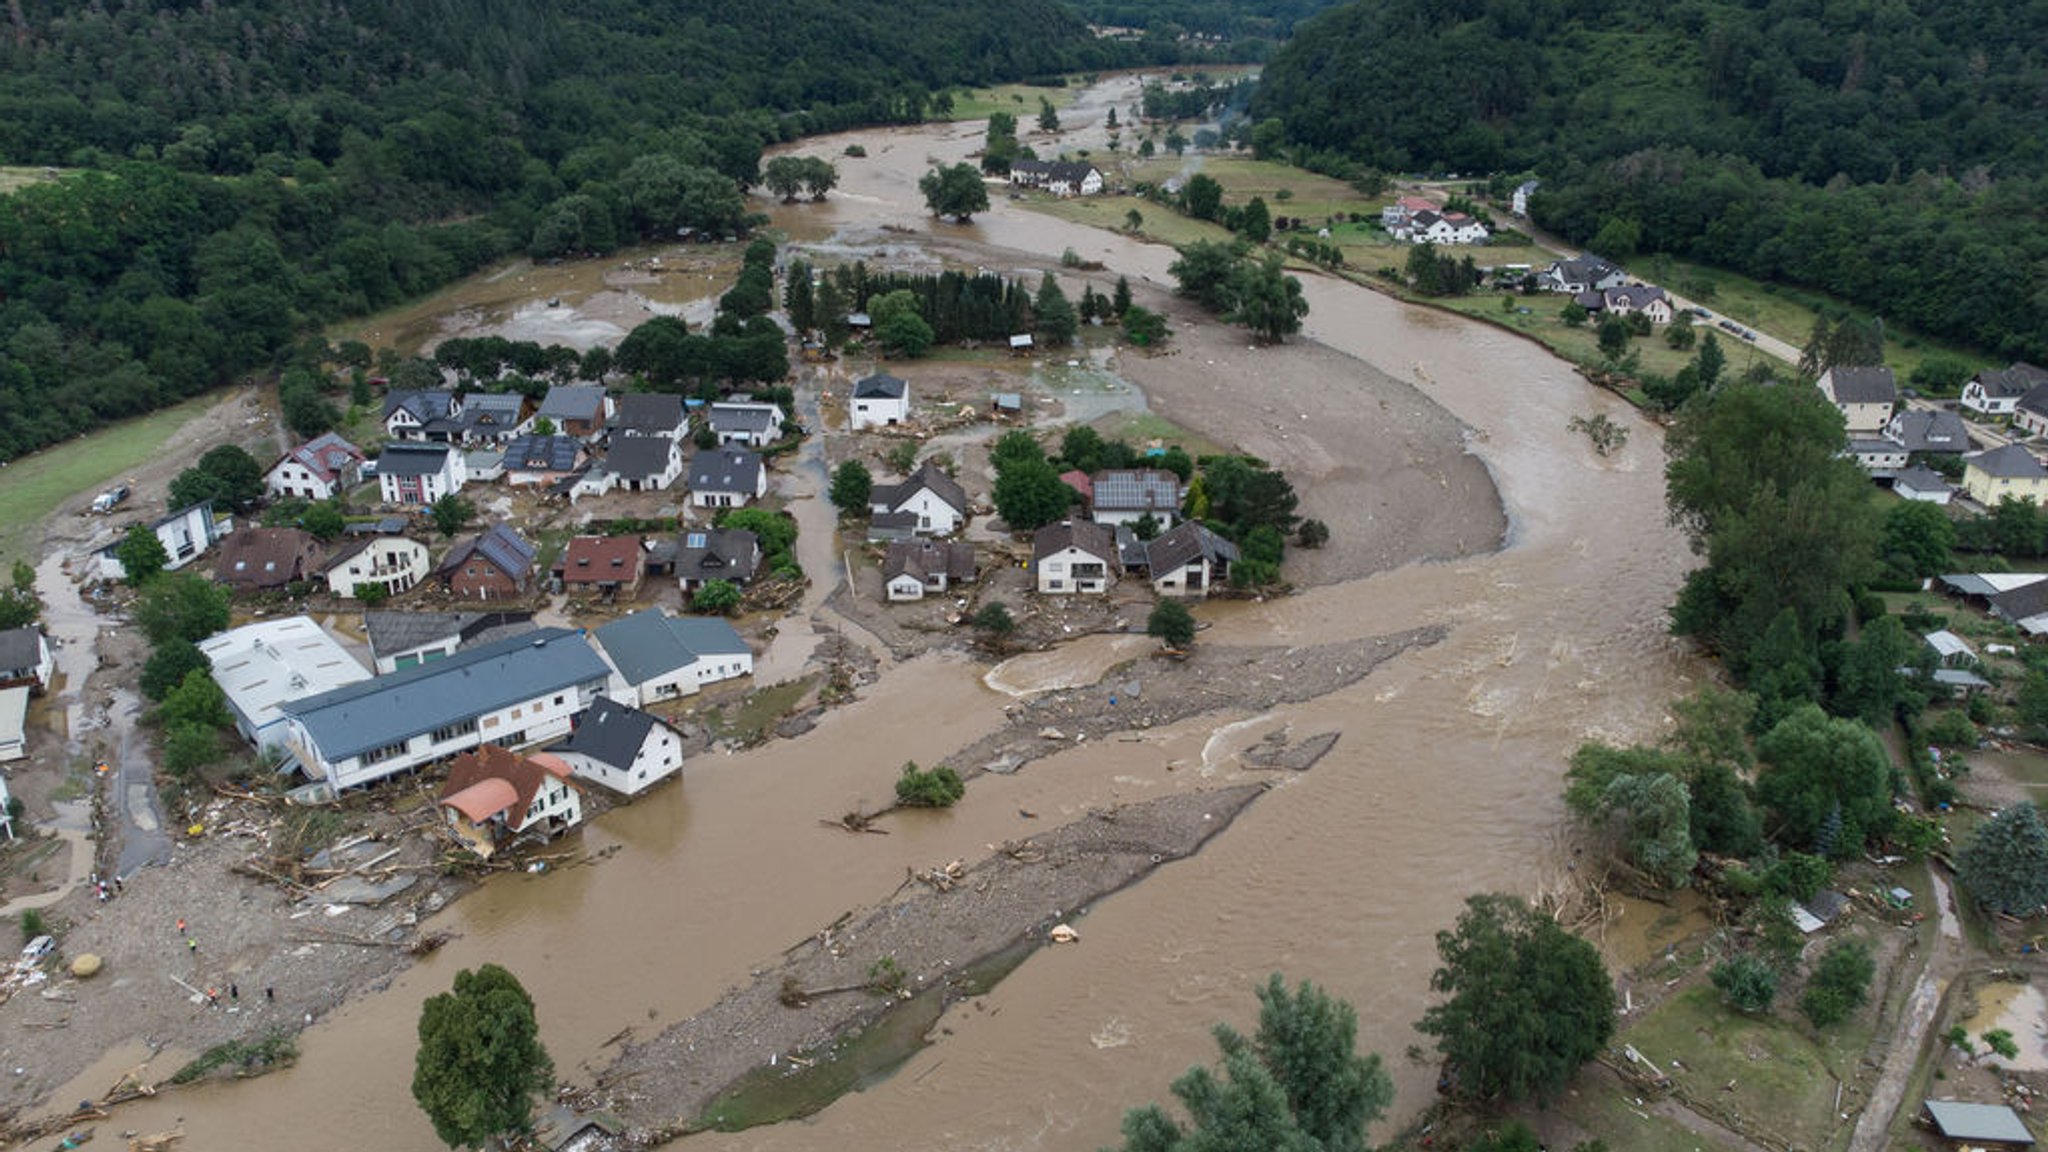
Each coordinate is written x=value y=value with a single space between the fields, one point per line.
x=317 y=469
x=495 y=796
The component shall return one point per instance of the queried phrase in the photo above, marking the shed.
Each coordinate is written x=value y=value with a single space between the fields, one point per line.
x=1993 y=1124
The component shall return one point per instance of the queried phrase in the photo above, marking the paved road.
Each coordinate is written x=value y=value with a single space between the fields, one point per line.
x=131 y=795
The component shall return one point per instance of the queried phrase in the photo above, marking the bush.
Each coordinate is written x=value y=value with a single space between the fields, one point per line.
x=2000 y=1041
x=715 y=597
x=1748 y=983
x=1840 y=983
x=33 y=924
x=939 y=787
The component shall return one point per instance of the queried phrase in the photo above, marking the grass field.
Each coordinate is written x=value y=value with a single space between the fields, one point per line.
x=1020 y=100
x=34 y=486
x=12 y=178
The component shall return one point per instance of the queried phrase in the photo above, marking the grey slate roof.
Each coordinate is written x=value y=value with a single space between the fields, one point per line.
x=2009 y=383
x=881 y=387
x=726 y=470
x=394 y=632
x=532 y=453
x=1862 y=384
x=928 y=476
x=20 y=648
x=1635 y=296
x=1185 y=543
x=649 y=643
x=1921 y=479
x=1988 y=1123
x=326 y=456
x=648 y=413
x=404 y=458
x=923 y=559
x=2011 y=462
x=412 y=701
x=610 y=733
x=1136 y=490
x=431 y=404
x=1924 y=431
x=1095 y=539
x=2024 y=602
x=492 y=409
x=2036 y=400
x=743 y=417
x=638 y=457
x=573 y=402
x=500 y=545
x=718 y=554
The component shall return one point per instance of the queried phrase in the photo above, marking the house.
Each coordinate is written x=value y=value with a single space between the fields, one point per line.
x=1074 y=556
x=2024 y=606
x=1396 y=217
x=1923 y=484
x=26 y=659
x=1996 y=392
x=1936 y=431
x=595 y=478
x=393 y=563
x=880 y=401
x=266 y=559
x=650 y=414
x=537 y=459
x=727 y=478
x=1189 y=560
x=13 y=725
x=1082 y=484
x=1581 y=274
x=1519 y=204
x=644 y=463
x=263 y=667
x=316 y=470
x=747 y=422
x=1864 y=394
x=494 y=565
x=494 y=418
x=579 y=410
x=622 y=748
x=1058 y=177
x=887 y=526
x=1878 y=456
x=514 y=692
x=661 y=657
x=1429 y=227
x=610 y=566
x=186 y=535
x=729 y=554
x=409 y=414
x=1989 y=477
x=484 y=465
x=2030 y=414
x=936 y=499
x=1978 y=1125
x=915 y=567
x=420 y=473
x=1128 y=495
x=1629 y=299
x=399 y=640
x=494 y=796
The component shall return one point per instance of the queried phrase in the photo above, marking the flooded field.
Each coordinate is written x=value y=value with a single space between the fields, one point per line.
x=1445 y=781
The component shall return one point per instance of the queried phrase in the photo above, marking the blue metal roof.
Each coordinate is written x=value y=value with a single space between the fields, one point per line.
x=468 y=684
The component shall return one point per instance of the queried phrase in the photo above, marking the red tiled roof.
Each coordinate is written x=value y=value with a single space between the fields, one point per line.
x=601 y=558
x=479 y=782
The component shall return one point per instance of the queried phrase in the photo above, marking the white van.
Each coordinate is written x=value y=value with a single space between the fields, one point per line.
x=37 y=950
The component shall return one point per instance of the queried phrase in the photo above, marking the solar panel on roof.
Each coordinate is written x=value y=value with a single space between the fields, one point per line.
x=697 y=540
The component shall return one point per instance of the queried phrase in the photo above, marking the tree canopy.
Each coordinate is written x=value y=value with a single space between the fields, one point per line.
x=1526 y=1003
x=480 y=1065
x=956 y=191
x=2005 y=863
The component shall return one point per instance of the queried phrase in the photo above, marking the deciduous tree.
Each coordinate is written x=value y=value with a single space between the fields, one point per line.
x=852 y=485
x=956 y=191
x=141 y=554
x=181 y=606
x=1820 y=772
x=1171 y=623
x=481 y=1065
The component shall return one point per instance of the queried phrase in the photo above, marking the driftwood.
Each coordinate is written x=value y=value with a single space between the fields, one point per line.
x=855 y=822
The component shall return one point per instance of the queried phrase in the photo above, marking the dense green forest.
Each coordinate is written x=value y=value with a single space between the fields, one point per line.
x=1888 y=153
x=1251 y=26
x=255 y=168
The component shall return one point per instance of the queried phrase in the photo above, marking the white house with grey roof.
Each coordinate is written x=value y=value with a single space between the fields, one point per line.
x=1997 y=391
x=400 y=640
x=263 y=667
x=662 y=657
x=579 y=410
x=519 y=691
x=644 y=463
x=727 y=478
x=1189 y=560
x=409 y=414
x=1935 y=431
x=880 y=401
x=1128 y=495
x=753 y=423
x=1864 y=394
x=650 y=414
x=936 y=501
x=420 y=474
x=494 y=418
x=25 y=658
x=622 y=748
x=186 y=534
x=315 y=470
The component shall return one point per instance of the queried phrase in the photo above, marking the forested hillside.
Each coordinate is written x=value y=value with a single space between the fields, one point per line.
x=261 y=166
x=1889 y=153
x=1249 y=24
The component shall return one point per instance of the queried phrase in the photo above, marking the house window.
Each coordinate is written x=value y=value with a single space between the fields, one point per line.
x=379 y=755
x=455 y=731
x=558 y=700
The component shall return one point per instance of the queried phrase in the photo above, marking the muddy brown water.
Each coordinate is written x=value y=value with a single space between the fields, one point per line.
x=1445 y=783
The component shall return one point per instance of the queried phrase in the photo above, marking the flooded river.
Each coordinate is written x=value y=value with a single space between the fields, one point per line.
x=1445 y=783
